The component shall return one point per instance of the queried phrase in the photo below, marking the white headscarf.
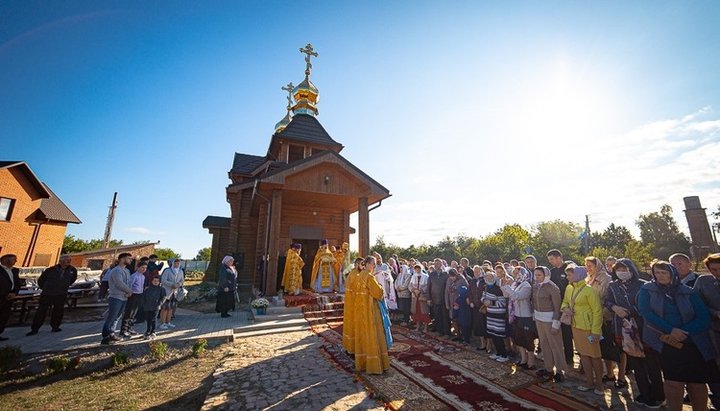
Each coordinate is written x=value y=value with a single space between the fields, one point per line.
x=226 y=259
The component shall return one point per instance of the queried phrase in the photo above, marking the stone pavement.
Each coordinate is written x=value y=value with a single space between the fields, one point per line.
x=284 y=372
x=191 y=325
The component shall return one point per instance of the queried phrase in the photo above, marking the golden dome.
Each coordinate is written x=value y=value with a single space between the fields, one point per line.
x=280 y=126
x=306 y=94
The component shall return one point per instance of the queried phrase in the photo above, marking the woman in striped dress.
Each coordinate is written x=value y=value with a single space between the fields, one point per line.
x=496 y=305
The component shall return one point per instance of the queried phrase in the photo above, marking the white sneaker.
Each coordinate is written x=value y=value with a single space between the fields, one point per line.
x=163 y=327
x=501 y=359
x=171 y=325
x=494 y=356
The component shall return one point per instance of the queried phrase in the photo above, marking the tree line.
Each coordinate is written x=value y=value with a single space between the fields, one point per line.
x=660 y=236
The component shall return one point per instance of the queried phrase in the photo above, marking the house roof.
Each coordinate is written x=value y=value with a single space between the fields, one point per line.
x=306 y=128
x=54 y=209
x=215 y=221
x=34 y=180
x=246 y=163
x=111 y=250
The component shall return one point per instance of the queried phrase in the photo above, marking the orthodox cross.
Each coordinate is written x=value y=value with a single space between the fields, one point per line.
x=289 y=89
x=308 y=51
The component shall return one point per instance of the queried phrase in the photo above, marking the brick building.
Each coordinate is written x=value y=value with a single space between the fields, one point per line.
x=33 y=219
x=301 y=191
x=101 y=258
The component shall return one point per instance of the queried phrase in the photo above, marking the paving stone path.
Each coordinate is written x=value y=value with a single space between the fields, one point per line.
x=284 y=372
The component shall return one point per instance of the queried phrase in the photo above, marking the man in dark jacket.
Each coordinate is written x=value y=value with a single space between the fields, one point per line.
x=558 y=276
x=54 y=283
x=9 y=288
x=436 y=288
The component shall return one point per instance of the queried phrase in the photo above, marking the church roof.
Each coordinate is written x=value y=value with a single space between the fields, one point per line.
x=246 y=163
x=215 y=221
x=307 y=129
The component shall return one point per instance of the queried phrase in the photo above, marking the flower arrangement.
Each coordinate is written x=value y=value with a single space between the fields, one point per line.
x=260 y=303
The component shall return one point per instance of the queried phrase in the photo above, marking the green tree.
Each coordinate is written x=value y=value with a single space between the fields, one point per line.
x=615 y=237
x=72 y=244
x=640 y=253
x=384 y=249
x=562 y=235
x=203 y=254
x=505 y=244
x=661 y=230
x=166 y=253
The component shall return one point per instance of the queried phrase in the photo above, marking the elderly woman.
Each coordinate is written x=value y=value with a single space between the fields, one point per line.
x=707 y=286
x=496 y=306
x=599 y=280
x=419 y=297
x=621 y=300
x=476 y=287
x=172 y=279
x=227 y=284
x=521 y=317
x=677 y=326
x=546 y=301
x=582 y=304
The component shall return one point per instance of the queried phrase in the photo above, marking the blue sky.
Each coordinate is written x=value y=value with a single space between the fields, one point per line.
x=473 y=114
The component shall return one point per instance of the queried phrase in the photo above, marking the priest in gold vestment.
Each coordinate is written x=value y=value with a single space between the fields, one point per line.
x=371 y=347
x=349 y=311
x=340 y=266
x=323 y=271
x=292 y=275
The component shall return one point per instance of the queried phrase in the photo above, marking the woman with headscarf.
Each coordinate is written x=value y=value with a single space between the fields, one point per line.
x=621 y=300
x=677 y=325
x=599 y=280
x=583 y=306
x=520 y=317
x=419 y=297
x=227 y=284
x=546 y=302
x=496 y=304
x=172 y=278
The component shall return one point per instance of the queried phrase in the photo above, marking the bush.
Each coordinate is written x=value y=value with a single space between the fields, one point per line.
x=9 y=356
x=195 y=275
x=199 y=347
x=58 y=364
x=119 y=359
x=158 y=349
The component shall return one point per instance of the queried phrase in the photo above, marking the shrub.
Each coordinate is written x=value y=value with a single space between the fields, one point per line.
x=158 y=349
x=119 y=359
x=9 y=356
x=58 y=364
x=199 y=347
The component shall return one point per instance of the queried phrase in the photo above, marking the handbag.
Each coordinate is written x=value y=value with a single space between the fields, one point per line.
x=181 y=293
x=567 y=316
x=631 y=343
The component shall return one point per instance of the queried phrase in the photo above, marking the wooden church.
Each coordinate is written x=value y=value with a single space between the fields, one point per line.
x=301 y=191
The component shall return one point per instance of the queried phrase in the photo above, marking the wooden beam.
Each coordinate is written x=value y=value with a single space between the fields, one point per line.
x=274 y=247
x=363 y=227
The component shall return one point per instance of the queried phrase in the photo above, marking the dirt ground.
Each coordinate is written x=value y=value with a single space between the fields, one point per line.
x=179 y=381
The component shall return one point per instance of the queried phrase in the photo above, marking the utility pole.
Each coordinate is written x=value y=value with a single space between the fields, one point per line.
x=587 y=234
x=109 y=224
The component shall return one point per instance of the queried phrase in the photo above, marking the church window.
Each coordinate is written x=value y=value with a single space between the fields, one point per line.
x=295 y=153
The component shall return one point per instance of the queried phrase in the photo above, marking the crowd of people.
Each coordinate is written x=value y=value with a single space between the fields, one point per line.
x=663 y=326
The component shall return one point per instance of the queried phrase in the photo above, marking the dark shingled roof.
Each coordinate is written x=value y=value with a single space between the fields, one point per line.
x=246 y=163
x=215 y=221
x=306 y=128
x=54 y=209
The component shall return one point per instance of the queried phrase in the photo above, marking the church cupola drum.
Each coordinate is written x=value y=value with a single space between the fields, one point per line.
x=300 y=192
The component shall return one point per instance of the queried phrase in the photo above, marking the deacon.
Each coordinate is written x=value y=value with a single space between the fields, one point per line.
x=349 y=312
x=292 y=275
x=372 y=336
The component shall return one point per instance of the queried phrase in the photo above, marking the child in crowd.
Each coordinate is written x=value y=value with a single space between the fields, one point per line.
x=134 y=302
x=153 y=297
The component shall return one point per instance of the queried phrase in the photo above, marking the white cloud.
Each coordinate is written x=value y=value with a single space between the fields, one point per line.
x=613 y=179
x=142 y=230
